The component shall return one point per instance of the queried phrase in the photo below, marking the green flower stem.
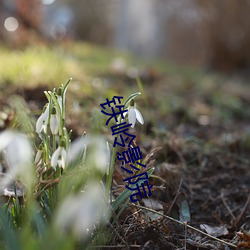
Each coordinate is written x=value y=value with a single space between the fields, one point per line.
x=47 y=140
x=63 y=100
x=54 y=142
x=112 y=166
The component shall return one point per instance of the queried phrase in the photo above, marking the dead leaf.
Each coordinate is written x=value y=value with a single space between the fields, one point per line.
x=245 y=236
x=215 y=231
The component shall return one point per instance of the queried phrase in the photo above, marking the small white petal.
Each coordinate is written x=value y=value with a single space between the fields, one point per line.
x=132 y=116
x=39 y=123
x=139 y=116
x=125 y=113
x=44 y=127
x=101 y=154
x=59 y=158
x=46 y=113
x=63 y=158
x=59 y=99
x=55 y=156
x=54 y=124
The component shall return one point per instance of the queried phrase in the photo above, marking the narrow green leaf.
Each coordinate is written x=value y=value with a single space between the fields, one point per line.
x=11 y=237
x=129 y=98
x=185 y=212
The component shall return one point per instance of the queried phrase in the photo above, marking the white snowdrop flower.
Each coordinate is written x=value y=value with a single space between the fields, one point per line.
x=17 y=152
x=59 y=157
x=80 y=214
x=133 y=114
x=42 y=122
x=54 y=121
x=101 y=154
x=98 y=152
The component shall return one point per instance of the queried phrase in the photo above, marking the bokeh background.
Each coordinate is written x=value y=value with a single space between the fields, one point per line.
x=211 y=34
x=190 y=59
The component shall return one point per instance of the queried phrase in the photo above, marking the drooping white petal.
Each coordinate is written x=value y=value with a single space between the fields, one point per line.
x=101 y=154
x=125 y=113
x=139 y=116
x=62 y=161
x=55 y=156
x=44 y=127
x=54 y=124
x=59 y=157
x=132 y=116
x=59 y=99
x=39 y=123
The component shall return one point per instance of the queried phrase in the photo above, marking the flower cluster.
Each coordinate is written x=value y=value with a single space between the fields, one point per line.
x=52 y=151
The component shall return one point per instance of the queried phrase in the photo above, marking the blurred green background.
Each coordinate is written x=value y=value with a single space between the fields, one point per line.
x=192 y=56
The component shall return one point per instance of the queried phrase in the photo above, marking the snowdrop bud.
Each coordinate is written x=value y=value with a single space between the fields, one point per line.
x=79 y=214
x=39 y=154
x=42 y=122
x=134 y=114
x=59 y=97
x=54 y=122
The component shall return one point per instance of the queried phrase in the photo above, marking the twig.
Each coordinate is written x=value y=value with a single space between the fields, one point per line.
x=227 y=207
x=183 y=224
x=117 y=246
x=239 y=217
x=185 y=242
x=175 y=198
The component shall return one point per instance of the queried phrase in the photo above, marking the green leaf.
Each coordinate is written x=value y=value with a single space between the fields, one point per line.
x=129 y=98
x=10 y=236
x=185 y=212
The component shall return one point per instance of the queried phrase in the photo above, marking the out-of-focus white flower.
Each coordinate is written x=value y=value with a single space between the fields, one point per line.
x=17 y=152
x=101 y=154
x=42 y=122
x=79 y=214
x=59 y=157
x=133 y=114
x=54 y=121
x=98 y=152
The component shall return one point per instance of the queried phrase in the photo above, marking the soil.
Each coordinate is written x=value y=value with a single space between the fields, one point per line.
x=204 y=164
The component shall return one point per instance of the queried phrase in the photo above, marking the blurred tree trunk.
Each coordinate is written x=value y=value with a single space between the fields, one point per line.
x=29 y=17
